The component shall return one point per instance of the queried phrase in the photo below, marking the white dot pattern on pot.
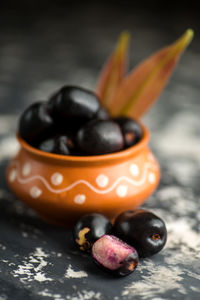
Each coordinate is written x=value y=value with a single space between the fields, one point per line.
x=121 y=185
x=26 y=169
x=102 y=180
x=12 y=175
x=56 y=178
x=134 y=170
x=122 y=190
x=79 y=199
x=35 y=192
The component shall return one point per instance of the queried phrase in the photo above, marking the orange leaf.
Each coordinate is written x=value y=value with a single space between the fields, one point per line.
x=143 y=85
x=113 y=70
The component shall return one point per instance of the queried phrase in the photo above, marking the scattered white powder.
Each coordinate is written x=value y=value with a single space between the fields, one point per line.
x=46 y=293
x=25 y=270
x=180 y=233
x=80 y=295
x=193 y=275
x=41 y=277
x=70 y=273
x=11 y=264
x=180 y=200
x=182 y=237
x=85 y=295
x=195 y=289
x=32 y=266
x=159 y=280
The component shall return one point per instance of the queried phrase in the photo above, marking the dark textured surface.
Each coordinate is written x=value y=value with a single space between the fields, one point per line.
x=45 y=46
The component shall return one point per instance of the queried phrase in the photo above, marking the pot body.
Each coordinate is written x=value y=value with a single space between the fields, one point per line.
x=62 y=188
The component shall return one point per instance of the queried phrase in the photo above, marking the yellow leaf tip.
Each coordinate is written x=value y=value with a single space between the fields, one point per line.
x=189 y=34
x=187 y=37
x=182 y=43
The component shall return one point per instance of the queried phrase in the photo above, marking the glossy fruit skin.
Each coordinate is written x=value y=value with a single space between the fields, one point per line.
x=114 y=255
x=141 y=229
x=58 y=145
x=131 y=130
x=35 y=122
x=100 y=137
x=89 y=229
x=71 y=103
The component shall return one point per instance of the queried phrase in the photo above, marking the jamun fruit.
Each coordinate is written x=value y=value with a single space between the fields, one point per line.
x=131 y=130
x=90 y=228
x=35 y=122
x=114 y=255
x=141 y=229
x=100 y=137
x=72 y=102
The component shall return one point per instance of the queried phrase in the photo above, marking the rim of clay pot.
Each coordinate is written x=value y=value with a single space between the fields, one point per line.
x=120 y=155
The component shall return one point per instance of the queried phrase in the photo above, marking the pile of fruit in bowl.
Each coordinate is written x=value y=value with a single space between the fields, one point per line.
x=83 y=151
x=73 y=122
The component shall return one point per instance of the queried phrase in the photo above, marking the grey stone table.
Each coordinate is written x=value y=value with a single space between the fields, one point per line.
x=44 y=47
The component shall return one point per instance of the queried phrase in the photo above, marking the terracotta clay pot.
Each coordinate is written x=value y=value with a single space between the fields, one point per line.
x=62 y=188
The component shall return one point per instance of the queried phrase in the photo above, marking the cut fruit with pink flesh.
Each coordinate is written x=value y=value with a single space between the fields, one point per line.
x=114 y=255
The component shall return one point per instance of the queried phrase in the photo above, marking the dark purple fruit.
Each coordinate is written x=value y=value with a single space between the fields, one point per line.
x=35 y=122
x=58 y=145
x=114 y=255
x=74 y=103
x=131 y=130
x=100 y=137
x=142 y=229
x=89 y=229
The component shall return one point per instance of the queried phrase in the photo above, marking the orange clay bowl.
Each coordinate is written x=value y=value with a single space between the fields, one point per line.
x=62 y=188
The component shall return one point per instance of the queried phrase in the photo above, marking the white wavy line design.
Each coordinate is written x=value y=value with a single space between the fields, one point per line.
x=82 y=181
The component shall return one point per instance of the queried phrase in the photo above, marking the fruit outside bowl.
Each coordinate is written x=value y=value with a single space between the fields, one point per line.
x=62 y=188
